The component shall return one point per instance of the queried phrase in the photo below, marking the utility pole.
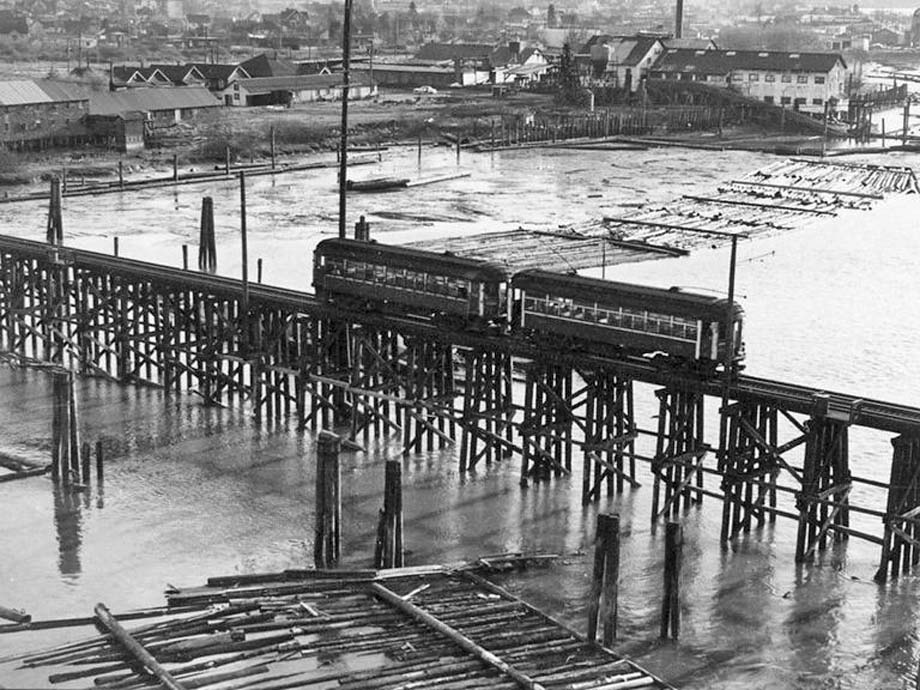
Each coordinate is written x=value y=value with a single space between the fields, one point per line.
x=343 y=156
x=727 y=360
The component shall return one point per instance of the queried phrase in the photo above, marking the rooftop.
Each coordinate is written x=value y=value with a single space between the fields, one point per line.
x=721 y=61
x=150 y=100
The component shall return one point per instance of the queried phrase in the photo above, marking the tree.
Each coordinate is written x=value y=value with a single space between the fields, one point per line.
x=551 y=16
x=570 y=90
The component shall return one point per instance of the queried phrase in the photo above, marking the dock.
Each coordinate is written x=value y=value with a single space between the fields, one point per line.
x=421 y=627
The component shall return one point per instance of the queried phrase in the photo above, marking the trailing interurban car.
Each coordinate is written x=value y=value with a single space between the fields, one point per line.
x=560 y=310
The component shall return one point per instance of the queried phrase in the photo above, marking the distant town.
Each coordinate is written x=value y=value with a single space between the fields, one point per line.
x=124 y=75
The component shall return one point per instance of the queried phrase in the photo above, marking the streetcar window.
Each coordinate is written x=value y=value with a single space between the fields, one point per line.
x=463 y=289
x=354 y=269
x=380 y=274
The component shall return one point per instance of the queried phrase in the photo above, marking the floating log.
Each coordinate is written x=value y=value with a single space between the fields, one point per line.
x=377 y=184
x=134 y=648
x=14 y=615
x=439 y=178
x=462 y=641
x=24 y=474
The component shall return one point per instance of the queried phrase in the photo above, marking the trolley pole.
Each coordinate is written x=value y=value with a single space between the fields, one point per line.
x=343 y=156
x=729 y=314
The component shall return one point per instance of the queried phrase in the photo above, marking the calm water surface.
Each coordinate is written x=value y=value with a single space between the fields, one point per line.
x=192 y=492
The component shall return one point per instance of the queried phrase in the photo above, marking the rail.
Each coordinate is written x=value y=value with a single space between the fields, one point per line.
x=854 y=409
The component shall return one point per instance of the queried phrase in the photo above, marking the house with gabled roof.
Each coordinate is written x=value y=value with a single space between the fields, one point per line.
x=182 y=75
x=127 y=76
x=290 y=89
x=620 y=61
x=218 y=76
x=263 y=66
x=804 y=81
x=527 y=66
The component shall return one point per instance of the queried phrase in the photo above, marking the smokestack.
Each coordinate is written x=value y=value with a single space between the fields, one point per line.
x=679 y=19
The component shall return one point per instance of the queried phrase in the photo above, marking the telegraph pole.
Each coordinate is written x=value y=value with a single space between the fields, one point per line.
x=343 y=153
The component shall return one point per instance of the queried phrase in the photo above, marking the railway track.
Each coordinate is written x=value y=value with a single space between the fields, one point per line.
x=792 y=397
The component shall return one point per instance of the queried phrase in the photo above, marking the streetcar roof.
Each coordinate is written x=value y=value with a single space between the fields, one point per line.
x=408 y=257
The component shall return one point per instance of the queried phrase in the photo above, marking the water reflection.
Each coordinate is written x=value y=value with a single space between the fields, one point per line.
x=813 y=624
x=68 y=525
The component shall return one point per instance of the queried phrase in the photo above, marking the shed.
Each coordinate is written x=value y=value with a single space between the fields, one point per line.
x=301 y=88
x=163 y=104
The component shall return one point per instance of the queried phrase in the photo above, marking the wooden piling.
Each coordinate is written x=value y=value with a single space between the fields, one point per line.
x=185 y=256
x=99 y=461
x=55 y=229
x=389 y=550
x=207 y=249
x=227 y=160
x=272 y=145
x=670 y=602
x=259 y=270
x=65 y=438
x=114 y=246
x=85 y=462
x=121 y=174
x=602 y=608
x=175 y=167
x=327 y=542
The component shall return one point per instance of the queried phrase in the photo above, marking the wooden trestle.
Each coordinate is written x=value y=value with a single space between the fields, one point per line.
x=678 y=462
x=901 y=541
x=286 y=354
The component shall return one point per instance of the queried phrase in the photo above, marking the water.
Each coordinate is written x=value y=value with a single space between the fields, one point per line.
x=192 y=492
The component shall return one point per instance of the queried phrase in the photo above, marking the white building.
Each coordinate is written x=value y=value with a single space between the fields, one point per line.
x=804 y=81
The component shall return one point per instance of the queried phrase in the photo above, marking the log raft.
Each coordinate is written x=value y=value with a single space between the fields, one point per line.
x=434 y=626
x=776 y=198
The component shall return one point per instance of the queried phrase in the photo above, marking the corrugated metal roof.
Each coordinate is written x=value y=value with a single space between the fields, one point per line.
x=151 y=100
x=21 y=92
x=29 y=91
x=62 y=91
